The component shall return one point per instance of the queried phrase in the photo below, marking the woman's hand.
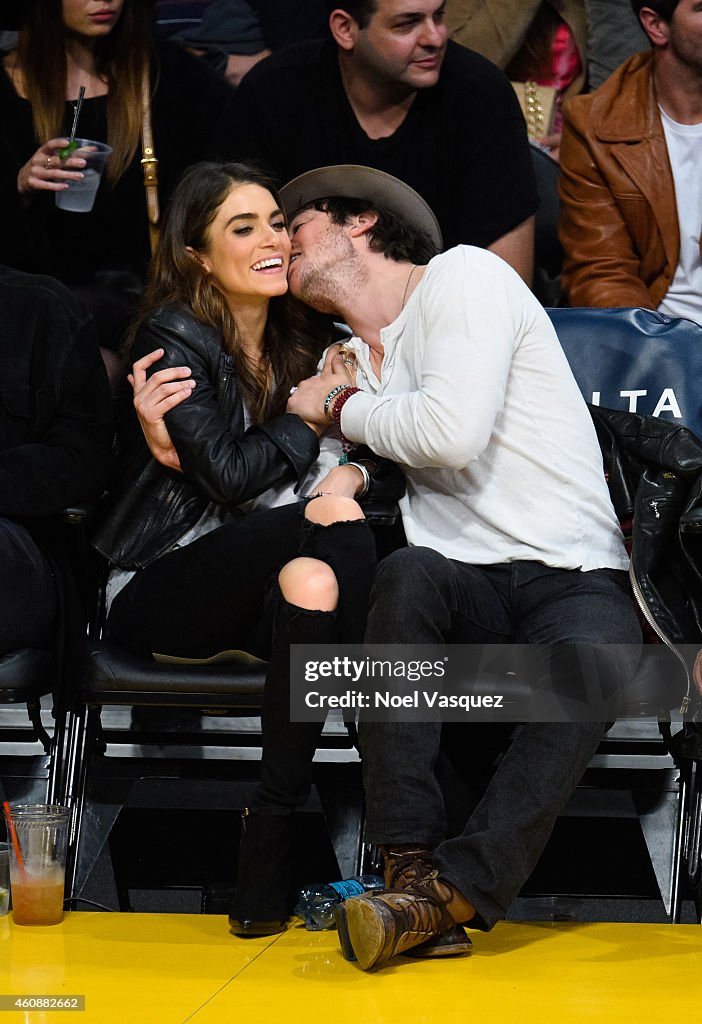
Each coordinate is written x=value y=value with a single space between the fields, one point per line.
x=551 y=144
x=153 y=398
x=45 y=171
x=346 y=481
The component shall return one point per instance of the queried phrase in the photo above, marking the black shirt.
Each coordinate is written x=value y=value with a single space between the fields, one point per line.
x=462 y=146
x=187 y=100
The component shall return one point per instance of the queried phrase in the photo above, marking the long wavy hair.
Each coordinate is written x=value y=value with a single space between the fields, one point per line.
x=122 y=57
x=294 y=335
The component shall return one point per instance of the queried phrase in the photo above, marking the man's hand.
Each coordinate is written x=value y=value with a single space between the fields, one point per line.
x=307 y=400
x=153 y=398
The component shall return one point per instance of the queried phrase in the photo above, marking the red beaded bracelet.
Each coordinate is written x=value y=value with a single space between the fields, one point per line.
x=338 y=404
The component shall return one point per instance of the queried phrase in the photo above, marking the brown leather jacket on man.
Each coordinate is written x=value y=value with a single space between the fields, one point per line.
x=619 y=221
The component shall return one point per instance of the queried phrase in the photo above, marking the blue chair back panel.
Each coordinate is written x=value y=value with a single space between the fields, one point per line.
x=635 y=360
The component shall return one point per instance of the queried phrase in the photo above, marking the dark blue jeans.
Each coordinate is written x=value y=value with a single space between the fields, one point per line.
x=420 y=596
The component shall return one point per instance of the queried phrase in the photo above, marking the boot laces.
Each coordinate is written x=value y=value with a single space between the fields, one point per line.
x=406 y=867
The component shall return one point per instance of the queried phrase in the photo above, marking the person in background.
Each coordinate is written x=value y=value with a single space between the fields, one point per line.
x=105 y=46
x=543 y=41
x=233 y=35
x=225 y=33
x=55 y=446
x=391 y=91
x=631 y=191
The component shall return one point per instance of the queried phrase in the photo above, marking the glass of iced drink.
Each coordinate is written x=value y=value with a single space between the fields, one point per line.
x=38 y=880
x=80 y=195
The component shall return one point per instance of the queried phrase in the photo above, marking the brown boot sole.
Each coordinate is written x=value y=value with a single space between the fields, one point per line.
x=454 y=942
x=362 y=925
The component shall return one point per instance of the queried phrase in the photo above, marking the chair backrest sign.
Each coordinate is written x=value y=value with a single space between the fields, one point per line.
x=635 y=360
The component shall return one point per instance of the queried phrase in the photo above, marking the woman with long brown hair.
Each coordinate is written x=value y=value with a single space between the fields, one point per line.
x=106 y=47
x=235 y=531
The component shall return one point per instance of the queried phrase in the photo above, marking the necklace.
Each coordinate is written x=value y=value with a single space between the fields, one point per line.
x=404 y=297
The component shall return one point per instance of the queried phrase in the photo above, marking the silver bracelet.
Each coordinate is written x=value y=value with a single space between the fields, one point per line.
x=366 y=478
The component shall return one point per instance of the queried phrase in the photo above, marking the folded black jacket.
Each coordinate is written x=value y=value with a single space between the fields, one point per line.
x=55 y=410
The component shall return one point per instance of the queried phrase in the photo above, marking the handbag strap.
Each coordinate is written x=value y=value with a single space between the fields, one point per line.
x=538 y=103
x=149 y=162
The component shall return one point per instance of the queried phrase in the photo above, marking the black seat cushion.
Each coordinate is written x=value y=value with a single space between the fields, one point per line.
x=26 y=675
x=116 y=675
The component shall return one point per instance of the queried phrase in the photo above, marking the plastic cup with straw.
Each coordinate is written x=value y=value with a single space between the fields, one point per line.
x=79 y=195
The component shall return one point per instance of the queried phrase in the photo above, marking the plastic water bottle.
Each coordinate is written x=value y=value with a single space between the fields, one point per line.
x=315 y=903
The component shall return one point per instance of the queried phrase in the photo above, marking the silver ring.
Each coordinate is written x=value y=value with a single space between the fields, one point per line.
x=348 y=361
x=293 y=388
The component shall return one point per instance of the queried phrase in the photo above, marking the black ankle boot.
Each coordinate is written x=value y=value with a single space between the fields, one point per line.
x=260 y=906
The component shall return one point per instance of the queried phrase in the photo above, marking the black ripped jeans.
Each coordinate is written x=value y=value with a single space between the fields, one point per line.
x=221 y=593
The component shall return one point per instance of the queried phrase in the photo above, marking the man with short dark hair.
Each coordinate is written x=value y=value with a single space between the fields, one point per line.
x=457 y=374
x=389 y=91
x=631 y=191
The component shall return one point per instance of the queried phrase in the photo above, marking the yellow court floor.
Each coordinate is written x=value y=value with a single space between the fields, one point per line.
x=173 y=968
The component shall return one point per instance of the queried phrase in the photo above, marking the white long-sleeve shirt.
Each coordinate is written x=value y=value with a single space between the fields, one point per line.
x=478 y=405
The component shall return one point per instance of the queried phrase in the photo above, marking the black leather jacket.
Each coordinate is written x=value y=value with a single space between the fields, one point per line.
x=221 y=461
x=654 y=471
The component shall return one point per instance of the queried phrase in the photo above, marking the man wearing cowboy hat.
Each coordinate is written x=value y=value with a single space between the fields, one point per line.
x=460 y=378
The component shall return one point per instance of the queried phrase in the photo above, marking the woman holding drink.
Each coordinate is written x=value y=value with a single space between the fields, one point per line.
x=104 y=46
x=235 y=531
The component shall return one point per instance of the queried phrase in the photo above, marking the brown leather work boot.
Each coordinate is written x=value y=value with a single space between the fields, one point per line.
x=382 y=925
x=405 y=866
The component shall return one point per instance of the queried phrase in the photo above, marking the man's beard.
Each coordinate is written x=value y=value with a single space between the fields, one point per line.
x=326 y=284
x=317 y=289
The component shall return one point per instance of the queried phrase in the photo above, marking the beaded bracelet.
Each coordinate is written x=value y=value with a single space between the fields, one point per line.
x=339 y=401
x=332 y=395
